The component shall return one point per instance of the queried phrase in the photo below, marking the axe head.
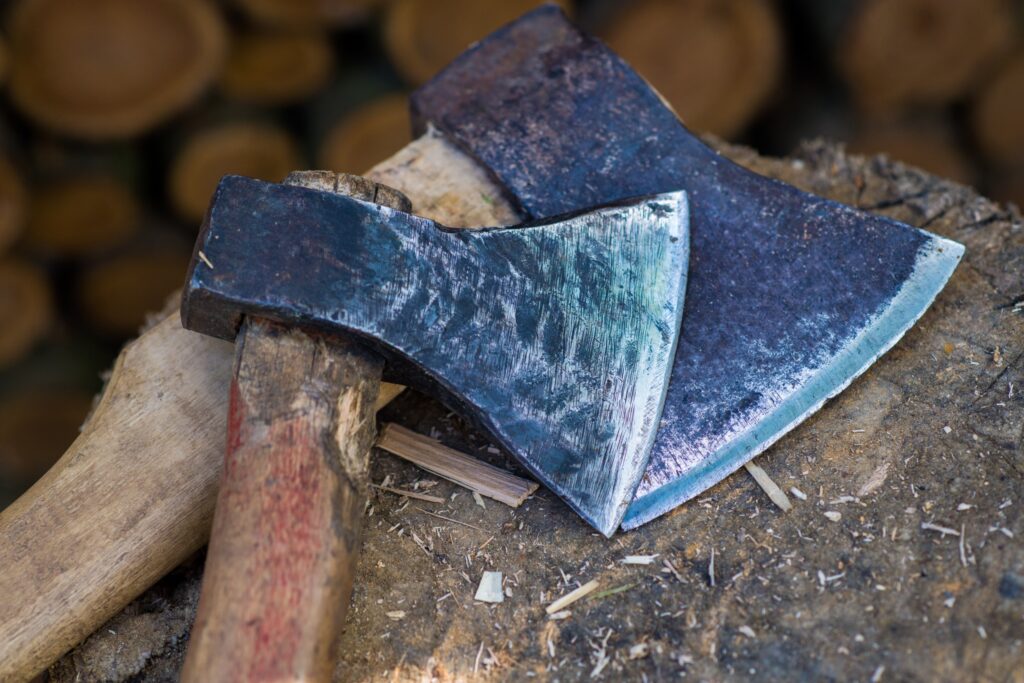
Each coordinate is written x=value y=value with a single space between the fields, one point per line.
x=556 y=337
x=790 y=296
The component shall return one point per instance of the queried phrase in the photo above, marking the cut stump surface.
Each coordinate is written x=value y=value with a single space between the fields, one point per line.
x=929 y=437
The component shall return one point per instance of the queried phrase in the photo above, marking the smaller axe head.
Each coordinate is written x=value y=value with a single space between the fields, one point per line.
x=557 y=337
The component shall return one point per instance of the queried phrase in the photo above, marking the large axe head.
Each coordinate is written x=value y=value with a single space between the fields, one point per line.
x=790 y=296
x=557 y=337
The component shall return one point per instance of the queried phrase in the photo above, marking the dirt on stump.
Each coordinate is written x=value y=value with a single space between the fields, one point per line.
x=901 y=560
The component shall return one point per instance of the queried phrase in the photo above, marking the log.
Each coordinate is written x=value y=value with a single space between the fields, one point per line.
x=258 y=150
x=997 y=114
x=894 y=54
x=26 y=309
x=13 y=200
x=81 y=215
x=422 y=36
x=112 y=68
x=116 y=293
x=272 y=68
x=373 y=131
x=36 y=427
x=928 y=144
x=313 y=14
x=717 y=63
x=880 y=453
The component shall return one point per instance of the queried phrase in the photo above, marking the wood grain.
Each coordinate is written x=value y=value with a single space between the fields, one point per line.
x=454 y=466
x=287 y=526
x=134 y=495
x=129 y=501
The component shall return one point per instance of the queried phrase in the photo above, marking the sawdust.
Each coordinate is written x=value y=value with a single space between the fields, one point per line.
x=878 y=594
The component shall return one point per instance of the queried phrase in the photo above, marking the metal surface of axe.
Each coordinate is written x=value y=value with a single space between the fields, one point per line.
x=151 y=453
x=790 y=297
x=556 y=337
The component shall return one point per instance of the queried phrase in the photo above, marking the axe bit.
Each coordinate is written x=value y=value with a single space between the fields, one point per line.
x=556 y=337
x=791 y=296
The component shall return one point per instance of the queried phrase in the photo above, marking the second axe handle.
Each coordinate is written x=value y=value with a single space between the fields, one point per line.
x=286 y=530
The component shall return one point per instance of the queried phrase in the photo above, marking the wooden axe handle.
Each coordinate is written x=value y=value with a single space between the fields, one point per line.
x=133 y=497
x=289 y=517
x=286 y=531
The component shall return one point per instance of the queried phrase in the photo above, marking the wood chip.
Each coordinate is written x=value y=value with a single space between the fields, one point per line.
x=777 y=495
x=454 y=466
x=396 y=615
x=490 y=588
x=944 y=530
x=559 y=616
x=566 y=600
x=410 y=494
x=833 y=516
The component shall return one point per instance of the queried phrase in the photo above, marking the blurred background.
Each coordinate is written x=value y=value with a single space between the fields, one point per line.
x=117 y=118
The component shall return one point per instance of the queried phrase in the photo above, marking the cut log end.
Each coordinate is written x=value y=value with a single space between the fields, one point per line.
x=251 y=149
x=998 y=114
x=35 y=428
x=13 y=199
x=898 y=53
x=26 y=309
x=80 y=216
x=308 y=13
x=112 y=68
x=117 y=293
x=371 y=133
x=272 y=68
x=423 y=36
x=716 y=63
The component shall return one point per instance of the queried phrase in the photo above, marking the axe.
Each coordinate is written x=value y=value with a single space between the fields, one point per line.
x=556 y=337
x=789 y=298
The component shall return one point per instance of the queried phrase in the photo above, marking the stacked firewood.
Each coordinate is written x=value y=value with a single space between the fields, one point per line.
x=118 y=117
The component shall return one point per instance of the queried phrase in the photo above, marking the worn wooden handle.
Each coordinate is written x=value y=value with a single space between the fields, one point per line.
x=286 y=529
x=134 y=495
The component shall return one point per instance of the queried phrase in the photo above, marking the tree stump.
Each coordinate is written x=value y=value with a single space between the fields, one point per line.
x=921 y=576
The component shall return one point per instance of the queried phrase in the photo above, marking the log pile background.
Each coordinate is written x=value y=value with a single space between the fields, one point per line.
x=117 y=117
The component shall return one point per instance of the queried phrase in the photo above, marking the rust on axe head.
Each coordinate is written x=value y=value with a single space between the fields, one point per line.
x=790 y=296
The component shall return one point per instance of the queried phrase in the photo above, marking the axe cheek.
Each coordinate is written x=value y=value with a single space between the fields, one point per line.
x=556 y=337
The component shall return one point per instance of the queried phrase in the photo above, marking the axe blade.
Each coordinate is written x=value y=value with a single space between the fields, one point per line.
x=556 y=337
x=790 y=296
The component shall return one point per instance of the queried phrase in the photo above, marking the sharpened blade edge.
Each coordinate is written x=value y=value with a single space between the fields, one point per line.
x=609 y=519
x=934 y=265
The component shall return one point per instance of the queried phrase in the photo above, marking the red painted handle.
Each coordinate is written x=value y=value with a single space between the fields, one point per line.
x=286 y=530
